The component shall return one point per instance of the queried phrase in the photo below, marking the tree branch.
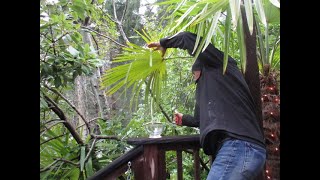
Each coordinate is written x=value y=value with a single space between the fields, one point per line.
x=91 y=148
x=108 y=16
x=119 y=23
x=52 y=41
x=89 y=121
x=72 y=106
x=48 y=167
x=161 y=108
x=124 y=11
x=61 y=37
x=52 y=138
x=56 y=109
x=104 y=36
x=95 y=41
x=47 y=128
x=51 y=121
x=70 y=162
x=105 y=137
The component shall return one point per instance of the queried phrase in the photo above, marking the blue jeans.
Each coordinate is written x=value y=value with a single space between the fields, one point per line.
x=237 y=160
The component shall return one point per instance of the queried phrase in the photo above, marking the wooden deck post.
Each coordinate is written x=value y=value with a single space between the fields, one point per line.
x=153 y=163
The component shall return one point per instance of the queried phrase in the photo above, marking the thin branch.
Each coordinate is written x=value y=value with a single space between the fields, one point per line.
x=61 y=37
x=52 y=139
x=105 y=137
x=161 y=108
x=52 y=41
x=51 y=121
x=47 y=128
x=91 y=148
x=56 y=109
x=124 y=11
x=94 y=119
x=119 y=23
x=48 y=167
x=95 y=41
x=104 y=36
x=115 y=11
x=164 y=113
x=108 y=16
x=72 y=106
x=70 y=162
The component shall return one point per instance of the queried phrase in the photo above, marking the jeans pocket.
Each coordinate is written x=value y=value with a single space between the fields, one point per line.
x=255 y=157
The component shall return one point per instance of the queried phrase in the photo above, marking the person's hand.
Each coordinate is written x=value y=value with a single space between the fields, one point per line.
x=178 y=118
x=157 y=47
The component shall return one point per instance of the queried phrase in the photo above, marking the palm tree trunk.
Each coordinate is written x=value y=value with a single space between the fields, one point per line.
x=252 y=72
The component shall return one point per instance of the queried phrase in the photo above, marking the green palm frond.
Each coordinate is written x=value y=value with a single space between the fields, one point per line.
x=226 y=40
x=141 y=66
x=197 y=17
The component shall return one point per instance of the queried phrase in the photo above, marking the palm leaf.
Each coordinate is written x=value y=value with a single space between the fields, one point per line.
x=140 y=65
x=180 y=20
x=235 y=11
x=212 y=29
x=249 y=14
x=260 y=10
x=82 y=157
x=226 y=40
x=242 y=45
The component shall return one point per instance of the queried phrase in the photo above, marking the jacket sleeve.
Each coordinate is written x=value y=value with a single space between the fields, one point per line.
x=192 y=121
x=186 y=41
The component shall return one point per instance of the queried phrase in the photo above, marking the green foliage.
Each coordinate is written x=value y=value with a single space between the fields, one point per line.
x=63 y=53
x=137 y=73
x=199 y=17
x=143 y=67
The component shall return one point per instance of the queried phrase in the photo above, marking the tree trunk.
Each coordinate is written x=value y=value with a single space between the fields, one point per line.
x=252 y=72
x=80 y=102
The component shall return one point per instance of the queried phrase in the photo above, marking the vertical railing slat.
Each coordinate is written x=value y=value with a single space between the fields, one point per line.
x=196 y=164
x=162 y=165
x=179 y=164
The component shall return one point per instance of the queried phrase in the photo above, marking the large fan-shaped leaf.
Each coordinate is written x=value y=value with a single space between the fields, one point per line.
x=139 y=65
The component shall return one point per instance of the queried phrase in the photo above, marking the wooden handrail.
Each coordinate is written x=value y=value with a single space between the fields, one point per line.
x=148 y=158
x=118 y=166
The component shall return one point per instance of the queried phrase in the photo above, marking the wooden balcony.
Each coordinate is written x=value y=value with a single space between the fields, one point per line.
x=148 y=160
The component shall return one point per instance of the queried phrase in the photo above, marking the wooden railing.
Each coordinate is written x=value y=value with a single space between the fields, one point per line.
x=148 y=160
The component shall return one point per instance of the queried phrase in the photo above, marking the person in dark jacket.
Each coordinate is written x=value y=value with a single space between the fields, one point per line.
x=224 y=111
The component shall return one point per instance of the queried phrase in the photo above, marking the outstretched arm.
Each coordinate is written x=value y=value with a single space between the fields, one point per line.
x=186 y=41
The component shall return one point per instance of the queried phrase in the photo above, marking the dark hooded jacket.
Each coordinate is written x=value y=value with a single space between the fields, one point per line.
x=224 y=106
